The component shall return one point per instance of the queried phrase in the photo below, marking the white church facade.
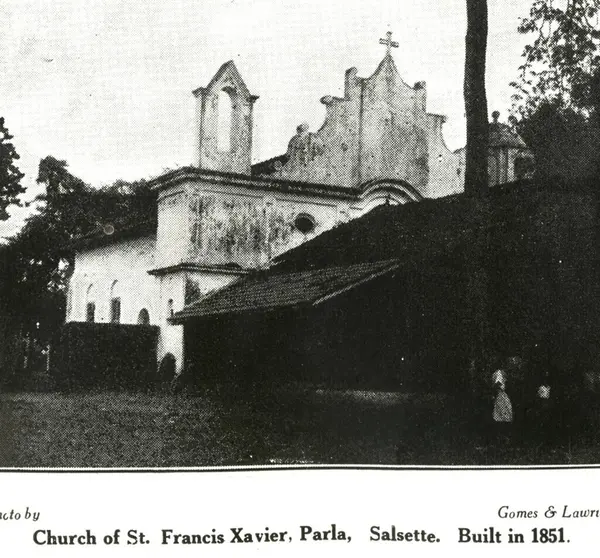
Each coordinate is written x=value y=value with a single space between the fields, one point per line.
x=222 y=218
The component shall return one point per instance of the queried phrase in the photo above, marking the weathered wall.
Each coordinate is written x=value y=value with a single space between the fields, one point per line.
x=380 y=129
x=329 y=156
x=445 y=173
x=216 y=224
x=393 y=128
x=377 y=130
x=210 y=156
x=247 y=228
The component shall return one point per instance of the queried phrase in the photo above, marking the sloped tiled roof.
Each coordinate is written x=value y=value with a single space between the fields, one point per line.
x=265 y=291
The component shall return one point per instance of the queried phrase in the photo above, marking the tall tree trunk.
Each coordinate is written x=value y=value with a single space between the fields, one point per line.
x=476 y=186
x=476 y=171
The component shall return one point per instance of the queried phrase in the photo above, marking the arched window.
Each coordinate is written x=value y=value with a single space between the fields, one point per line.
x=115 y=303
x=143 y=317
x=224 y=120
x=90 y=304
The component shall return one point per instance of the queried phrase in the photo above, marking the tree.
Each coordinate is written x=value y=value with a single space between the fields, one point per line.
x=476 y=170
x=565 y=142
x=556 y=100
x=476 y=182
x=556 y=109
x=10 y=175
x=560 y=66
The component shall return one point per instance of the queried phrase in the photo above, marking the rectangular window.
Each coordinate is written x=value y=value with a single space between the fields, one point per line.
x=90 y=312
x=115 y=310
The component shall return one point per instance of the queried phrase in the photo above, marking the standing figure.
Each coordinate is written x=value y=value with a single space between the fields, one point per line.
x=502 y=414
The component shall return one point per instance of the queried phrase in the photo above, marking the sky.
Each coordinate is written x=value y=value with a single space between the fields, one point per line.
x=106 y=85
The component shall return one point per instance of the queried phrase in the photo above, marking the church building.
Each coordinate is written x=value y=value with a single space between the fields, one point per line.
x=222 y=218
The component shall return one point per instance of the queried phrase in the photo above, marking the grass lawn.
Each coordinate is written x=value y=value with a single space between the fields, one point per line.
x=158 y=430
x=111 y=430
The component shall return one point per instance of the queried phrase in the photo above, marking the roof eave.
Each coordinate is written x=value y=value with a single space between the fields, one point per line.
x=100 y=238
x=191 y=266
x=183 y=174
x=183 y=316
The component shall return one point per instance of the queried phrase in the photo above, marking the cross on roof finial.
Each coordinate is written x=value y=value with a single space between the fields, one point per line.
x=389 y=43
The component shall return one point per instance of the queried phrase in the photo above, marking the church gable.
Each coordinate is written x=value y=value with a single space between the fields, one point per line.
x=379 y=129
x=394 y=142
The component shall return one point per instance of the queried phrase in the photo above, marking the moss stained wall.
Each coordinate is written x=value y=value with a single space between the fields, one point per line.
x=248 y=230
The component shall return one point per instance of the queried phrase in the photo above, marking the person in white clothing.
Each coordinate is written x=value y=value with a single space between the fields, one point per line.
x=502 y=413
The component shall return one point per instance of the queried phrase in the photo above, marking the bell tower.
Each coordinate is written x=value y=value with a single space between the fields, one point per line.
x=224 y=120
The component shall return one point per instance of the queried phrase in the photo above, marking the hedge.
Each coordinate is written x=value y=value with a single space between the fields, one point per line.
x=110 y=356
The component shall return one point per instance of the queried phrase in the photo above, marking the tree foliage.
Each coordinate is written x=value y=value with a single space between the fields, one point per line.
x=565 y=142
x=556 y=100
x=561 y=65
x=10 y=175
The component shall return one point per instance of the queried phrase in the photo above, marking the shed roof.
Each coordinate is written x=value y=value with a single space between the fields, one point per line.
x=266 y=291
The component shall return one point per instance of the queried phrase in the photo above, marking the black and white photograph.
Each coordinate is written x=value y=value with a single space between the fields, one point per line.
x=252 y=233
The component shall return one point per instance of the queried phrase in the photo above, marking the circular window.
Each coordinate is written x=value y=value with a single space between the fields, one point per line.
x=305 y=223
